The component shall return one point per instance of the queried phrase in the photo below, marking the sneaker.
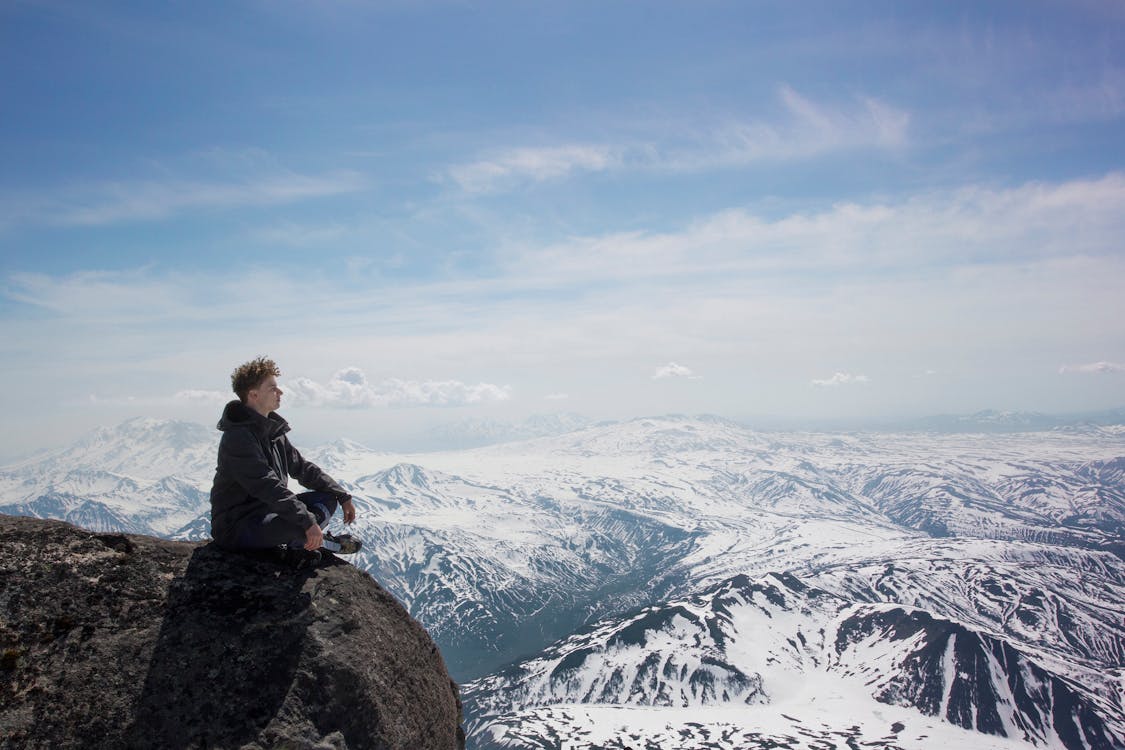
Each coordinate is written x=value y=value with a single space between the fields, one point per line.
x=298 y=558
x=344 y=544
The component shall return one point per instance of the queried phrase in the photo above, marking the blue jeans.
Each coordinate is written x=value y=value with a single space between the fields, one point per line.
x=269 y=530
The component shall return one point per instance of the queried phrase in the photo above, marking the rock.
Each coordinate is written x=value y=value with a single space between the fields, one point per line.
x=125 y=641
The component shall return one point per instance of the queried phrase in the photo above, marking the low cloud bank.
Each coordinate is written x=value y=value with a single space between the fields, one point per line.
x=841 y=378
x=674 y=370
x=1094 y=368
x=197 y=396
x=350 y=389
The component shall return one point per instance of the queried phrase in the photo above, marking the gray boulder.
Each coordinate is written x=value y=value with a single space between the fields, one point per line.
x=127 y=641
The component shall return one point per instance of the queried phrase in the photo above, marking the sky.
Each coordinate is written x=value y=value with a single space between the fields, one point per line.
x=429 y=212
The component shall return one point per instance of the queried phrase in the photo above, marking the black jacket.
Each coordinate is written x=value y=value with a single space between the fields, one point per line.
x=255 y=463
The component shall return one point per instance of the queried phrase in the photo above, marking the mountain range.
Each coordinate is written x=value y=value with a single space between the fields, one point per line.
x=688 y=582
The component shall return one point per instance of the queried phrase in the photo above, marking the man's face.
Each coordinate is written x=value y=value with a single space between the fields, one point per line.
x=266 y=397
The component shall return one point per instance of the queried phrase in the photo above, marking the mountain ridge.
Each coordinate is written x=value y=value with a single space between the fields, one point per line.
x=505 y=550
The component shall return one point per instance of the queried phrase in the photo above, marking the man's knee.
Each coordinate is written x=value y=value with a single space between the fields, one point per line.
x=321 y=504
x=322 y=513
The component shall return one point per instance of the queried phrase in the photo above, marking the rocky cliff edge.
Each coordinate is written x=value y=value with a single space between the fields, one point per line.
x=125 y=641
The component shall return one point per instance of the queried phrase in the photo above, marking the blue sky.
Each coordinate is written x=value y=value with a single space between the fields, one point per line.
x=432 y=211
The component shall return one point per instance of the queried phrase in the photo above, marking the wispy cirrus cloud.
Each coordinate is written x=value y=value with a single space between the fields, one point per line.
x=1099 y=99
x=841 y=378
x=85 y=294
x=804 y=128
x=209 y=182
x=963 y=227
x=350 y=389
x=951 y=276
x=1094 y=368
x=1077 y=223
x=530 y=164
x=138 y=297
x=111 y=203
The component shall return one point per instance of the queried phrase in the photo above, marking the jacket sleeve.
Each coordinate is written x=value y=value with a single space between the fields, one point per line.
x=242 y=459
x=309 y=474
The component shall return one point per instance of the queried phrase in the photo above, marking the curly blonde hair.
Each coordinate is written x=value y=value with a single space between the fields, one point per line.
x=249 y=375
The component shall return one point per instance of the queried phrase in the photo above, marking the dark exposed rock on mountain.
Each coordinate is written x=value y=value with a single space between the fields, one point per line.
x=121 y=641
x=749 y=642
x=980 y=682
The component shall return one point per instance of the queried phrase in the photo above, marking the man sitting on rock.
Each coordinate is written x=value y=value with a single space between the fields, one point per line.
x=252 y=507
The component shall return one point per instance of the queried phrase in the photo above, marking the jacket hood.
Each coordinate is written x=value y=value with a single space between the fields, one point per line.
x=238 y=414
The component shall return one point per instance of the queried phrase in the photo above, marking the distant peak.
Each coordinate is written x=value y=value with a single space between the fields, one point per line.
x=407 y=473
x=348 y=445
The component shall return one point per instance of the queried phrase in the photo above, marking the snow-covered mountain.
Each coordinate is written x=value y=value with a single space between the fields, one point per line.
x=992 y=420
x=1003 y=539
x=951 y=586
x=755 y=647
x=144 y=476
x=141 y=447
x=476 y=431
x=471 y=559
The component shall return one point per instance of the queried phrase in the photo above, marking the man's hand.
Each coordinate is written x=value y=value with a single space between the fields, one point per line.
x=349 y=510
x=314 y=537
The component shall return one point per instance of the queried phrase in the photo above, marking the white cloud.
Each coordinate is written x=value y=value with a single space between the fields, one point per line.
x=1100 y=99
x=818 y=127
x=88 y=293
x=349 y=388
x=674 y=370
x=1094 y=368
x=137 y=299
x=971 y=226
x=841 y=378
x=211 y=182
x=112 y=203
x=196 y=396
x=805 y=129
x=187 y=397
x=531 y=164
x=557 y=396
x=971 y=278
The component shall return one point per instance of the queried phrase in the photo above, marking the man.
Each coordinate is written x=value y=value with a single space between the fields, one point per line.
x=252 y=506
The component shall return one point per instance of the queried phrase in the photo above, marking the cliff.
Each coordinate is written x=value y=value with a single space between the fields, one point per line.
x=127 y=641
